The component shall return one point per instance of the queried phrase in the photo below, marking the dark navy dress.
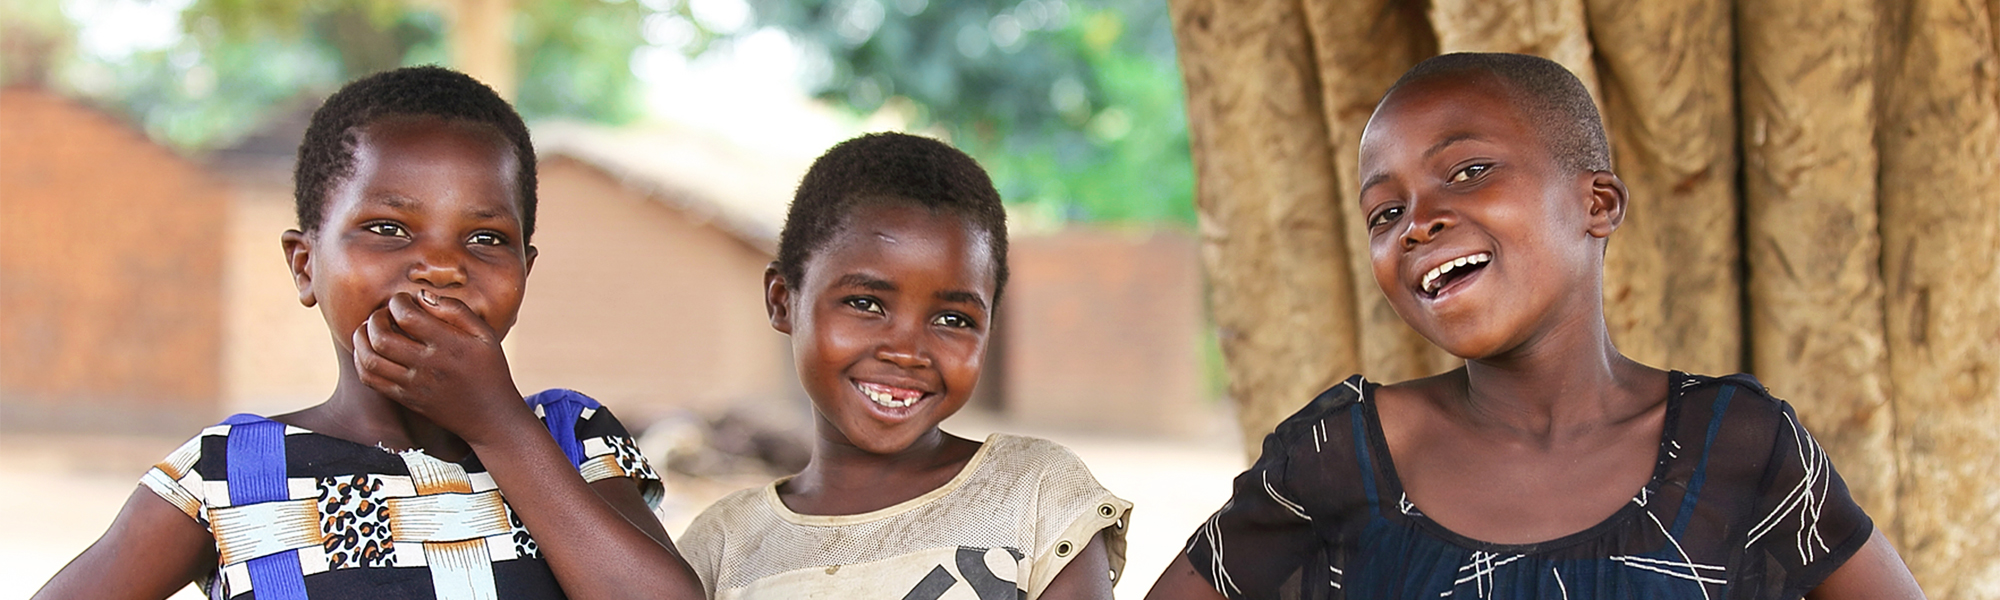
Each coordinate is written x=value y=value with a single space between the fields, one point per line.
x=1742 y=504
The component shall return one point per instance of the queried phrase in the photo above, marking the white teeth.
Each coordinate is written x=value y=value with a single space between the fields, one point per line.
x=1431 y=279
x=885 y=398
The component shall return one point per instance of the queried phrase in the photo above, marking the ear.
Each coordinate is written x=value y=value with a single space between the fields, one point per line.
x=777 y=299
x=532 y=253
x=298 y=256
x=1608 y=199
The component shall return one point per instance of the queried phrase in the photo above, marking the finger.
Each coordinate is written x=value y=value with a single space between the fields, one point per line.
x=456 y=313
x=420 y=323
x=386 y=339
x=384 y=375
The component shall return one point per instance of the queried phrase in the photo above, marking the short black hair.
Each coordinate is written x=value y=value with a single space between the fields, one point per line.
x=1550 y=95
x=326 y=155
x=889 y=168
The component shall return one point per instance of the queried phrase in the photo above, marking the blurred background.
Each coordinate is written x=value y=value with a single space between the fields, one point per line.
x=147 y=148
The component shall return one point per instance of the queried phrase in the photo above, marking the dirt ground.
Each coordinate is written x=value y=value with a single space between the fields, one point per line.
x=62 y=491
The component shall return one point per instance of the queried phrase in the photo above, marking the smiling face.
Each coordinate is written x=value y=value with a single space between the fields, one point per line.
x=431 y=205
x=1480 y=239
x=889 y=325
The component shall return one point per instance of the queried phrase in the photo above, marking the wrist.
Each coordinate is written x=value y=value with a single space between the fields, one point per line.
x=505 y=424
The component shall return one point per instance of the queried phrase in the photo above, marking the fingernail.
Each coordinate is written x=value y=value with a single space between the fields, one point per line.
x=426 y=296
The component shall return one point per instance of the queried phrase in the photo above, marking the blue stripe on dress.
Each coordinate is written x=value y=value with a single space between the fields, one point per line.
x=256 y=467
x=561 y=409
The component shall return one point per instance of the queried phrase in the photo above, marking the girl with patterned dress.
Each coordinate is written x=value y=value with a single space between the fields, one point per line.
x=425 y=474
x=1549 y=465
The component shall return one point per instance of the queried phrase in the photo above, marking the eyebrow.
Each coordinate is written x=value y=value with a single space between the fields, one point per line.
x=1449 y=140
x=407 y=204
x=962 y=297
x=864 y=282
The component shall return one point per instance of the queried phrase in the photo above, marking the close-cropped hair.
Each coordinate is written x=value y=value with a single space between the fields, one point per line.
x=326 y=155
x=1547 y=93
x=886 y=168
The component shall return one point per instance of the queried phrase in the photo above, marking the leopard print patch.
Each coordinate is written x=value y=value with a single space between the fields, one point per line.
x=355 y=523
x=629 y=459
x=524 y=544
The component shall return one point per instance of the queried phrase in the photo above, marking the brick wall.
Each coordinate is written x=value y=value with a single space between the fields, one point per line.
x=110 y=274
x=1103 y=332
x=641 y=305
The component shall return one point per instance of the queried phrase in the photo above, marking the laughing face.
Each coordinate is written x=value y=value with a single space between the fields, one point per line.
x=889 y=324
x=1481 y=240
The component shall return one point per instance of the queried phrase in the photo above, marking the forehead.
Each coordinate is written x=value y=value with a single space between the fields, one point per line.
x=894 y=235
x=1424 y=113
x=404 y=154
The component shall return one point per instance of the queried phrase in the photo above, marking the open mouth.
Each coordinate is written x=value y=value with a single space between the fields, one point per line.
x=889 y=396
x=1453 y=271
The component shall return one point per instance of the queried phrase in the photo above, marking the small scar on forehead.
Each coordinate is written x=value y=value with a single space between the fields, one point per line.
x=884 y=236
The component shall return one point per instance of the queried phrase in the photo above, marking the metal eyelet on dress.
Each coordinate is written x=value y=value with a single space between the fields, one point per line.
x=1106 y=510
x=1063 y=548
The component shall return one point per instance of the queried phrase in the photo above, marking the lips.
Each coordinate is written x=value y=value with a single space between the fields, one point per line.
x=1435 y=280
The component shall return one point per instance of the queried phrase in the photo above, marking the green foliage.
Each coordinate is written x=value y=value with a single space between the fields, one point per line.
x=1075 y=108
x=240 y=61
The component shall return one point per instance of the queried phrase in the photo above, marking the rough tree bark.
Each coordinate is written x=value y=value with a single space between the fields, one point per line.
x=1553 y=29
x=1271 y=242
x=1361 y=48
x=1940 y=151
x=1671 y=294
x=1807 y=92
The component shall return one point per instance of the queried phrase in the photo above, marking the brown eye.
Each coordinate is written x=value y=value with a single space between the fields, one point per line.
x=1385 y=217
x=953 y=320
x=388 y=229
x=865 y=304
x=487 y=238
x=1469 y=173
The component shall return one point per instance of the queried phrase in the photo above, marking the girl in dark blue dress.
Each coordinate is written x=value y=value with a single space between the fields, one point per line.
x=1550 y=465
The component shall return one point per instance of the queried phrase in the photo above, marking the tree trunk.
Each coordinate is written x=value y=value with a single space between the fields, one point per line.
x=1550 y=29
x=482 y=42
x=1271 y=244
x=1362 y=47
x=1940 y=151
x=1808 y=96
x=1671 y=293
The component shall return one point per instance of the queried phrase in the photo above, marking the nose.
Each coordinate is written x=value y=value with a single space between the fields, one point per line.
x=440 y=267
x=1427 y=220
x=904 y=347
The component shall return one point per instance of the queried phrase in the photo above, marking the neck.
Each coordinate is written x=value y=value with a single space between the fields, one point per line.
x=359 y=414
x=1570 y=381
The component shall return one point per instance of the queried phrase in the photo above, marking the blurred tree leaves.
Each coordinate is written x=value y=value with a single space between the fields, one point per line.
x=242 y=60
x=1074 y=107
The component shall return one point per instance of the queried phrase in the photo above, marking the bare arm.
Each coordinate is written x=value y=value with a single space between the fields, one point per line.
x=151 y=551
x=1181 y=582
x=445 y=363
x=1875 y=571
x=1086 y=577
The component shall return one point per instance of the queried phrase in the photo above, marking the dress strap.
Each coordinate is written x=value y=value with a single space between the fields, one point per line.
x=256 y=468
x=1719 y=408
x=560 y=410
x=1361 y=454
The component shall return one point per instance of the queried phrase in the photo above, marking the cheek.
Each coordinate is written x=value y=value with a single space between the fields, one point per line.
x=1383 y=260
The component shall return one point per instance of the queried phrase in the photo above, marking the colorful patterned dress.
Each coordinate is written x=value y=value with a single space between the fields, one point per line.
x=298 y=514
x=1742 y=504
